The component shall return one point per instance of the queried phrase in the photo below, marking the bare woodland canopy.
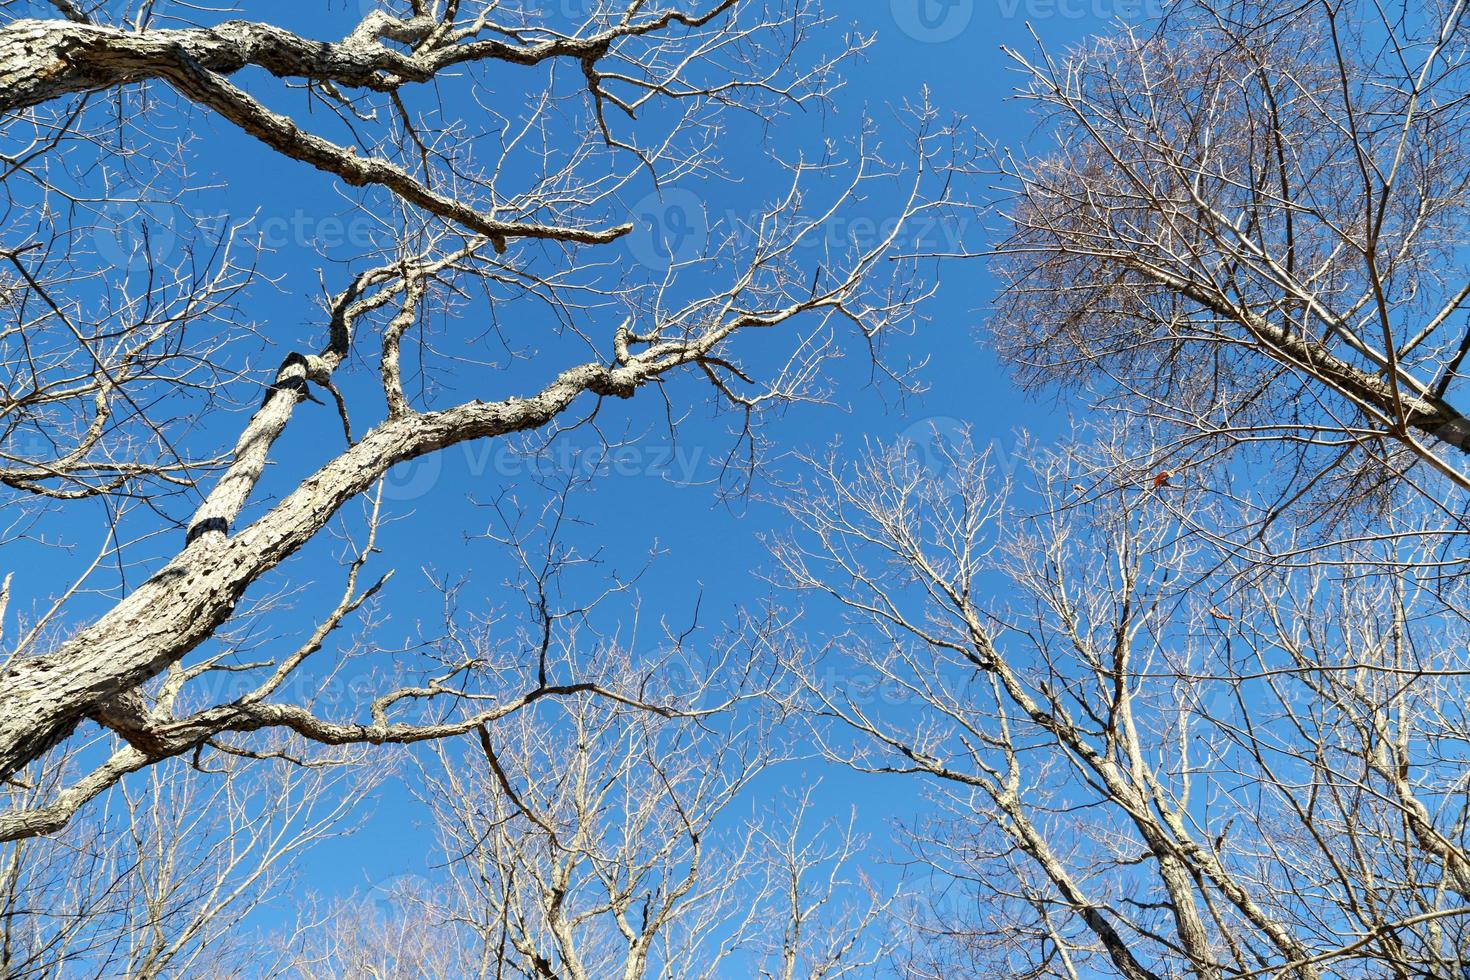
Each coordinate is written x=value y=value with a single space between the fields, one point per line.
x=1185 y=696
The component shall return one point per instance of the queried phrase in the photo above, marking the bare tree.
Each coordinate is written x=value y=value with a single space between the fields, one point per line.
x=158 y=882
x=1249 y=229
x=596 y=834
x=126 y=364
x=1183 y=699
x=586 y=840
x=1142 y=767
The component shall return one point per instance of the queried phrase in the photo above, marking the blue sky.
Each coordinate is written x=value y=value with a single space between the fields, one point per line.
x=654 y=493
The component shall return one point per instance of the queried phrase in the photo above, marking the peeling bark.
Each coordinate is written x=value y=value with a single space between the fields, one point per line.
x=181 y=606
